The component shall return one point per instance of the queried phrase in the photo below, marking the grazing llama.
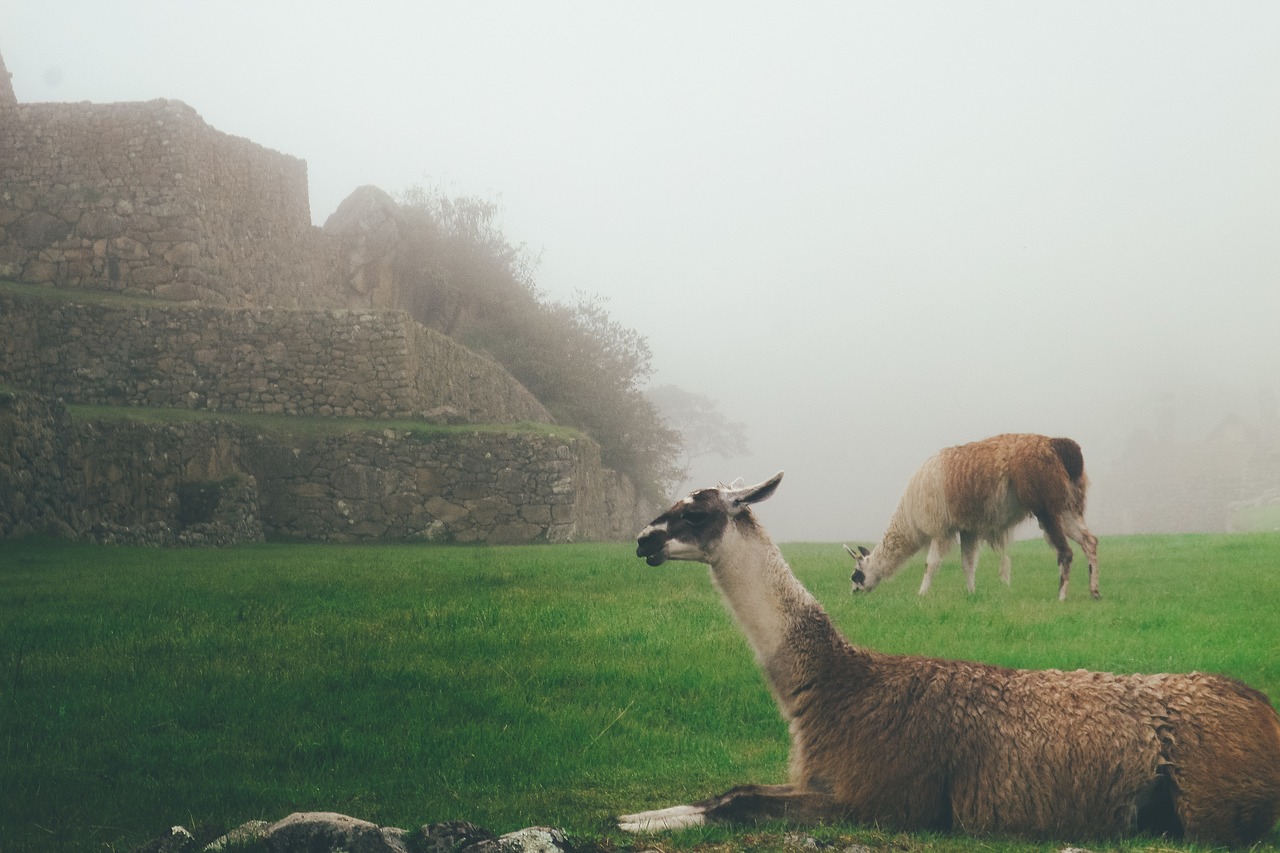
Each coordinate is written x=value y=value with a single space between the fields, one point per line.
x=981 y=491
x=918 y=743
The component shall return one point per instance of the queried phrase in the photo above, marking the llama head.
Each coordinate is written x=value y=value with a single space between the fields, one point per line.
x=864 y=576
x=694 y=527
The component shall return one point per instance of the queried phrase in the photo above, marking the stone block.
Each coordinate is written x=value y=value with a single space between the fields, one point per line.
x=536 y=514
x=39 y=230
x=515 y=533
x=39 y=272
x=445 y=511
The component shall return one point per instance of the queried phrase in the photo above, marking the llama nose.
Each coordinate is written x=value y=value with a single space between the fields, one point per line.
x=649 y=544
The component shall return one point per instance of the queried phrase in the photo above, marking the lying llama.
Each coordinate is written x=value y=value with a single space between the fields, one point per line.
x=919 y=743
x=981 y=491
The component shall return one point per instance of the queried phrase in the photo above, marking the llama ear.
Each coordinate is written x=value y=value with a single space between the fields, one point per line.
x=859 y=555
x=739 y=498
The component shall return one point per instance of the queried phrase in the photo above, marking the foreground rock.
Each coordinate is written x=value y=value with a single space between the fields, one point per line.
x=329 y=832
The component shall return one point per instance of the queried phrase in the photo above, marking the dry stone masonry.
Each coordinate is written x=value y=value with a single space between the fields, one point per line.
x=147 y=198
x=328 y=363
x=466 y=487
x=213 y=292
x=212 y=482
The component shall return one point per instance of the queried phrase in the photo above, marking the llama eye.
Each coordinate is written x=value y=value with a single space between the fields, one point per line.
x=695 y=518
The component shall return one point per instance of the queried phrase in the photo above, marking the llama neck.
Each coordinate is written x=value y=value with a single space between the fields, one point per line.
x=901 y=540
x=779 y=616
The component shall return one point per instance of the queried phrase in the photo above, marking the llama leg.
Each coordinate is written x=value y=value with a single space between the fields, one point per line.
x=756 y=803
x=1089 y=544
x=743 y=805
x=664 y=820
x=1054 y=536
x=1001 y=547
x=969 y=545
x=937 y=550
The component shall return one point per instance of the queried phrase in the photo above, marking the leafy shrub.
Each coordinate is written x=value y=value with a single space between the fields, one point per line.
x=470 y=283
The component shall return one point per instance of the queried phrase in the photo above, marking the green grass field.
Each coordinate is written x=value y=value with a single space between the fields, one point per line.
x=553 y=685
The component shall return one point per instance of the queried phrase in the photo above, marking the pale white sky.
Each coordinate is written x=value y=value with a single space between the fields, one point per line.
x=868 y=230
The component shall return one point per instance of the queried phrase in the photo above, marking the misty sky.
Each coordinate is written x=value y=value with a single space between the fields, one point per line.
x=868 y=230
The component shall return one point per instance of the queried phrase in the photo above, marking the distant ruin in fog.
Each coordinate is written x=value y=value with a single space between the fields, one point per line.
x=1228 y=480
x=256 y=310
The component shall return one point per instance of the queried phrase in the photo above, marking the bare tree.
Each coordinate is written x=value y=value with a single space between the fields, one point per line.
x=703 y=429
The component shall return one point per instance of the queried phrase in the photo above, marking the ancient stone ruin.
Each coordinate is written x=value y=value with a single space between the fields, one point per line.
x=155 y=262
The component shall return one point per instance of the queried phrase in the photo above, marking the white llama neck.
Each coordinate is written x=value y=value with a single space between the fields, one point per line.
x=900 y=541
x=767 y=600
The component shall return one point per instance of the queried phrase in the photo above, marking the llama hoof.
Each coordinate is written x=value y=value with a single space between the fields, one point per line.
x=663 y=820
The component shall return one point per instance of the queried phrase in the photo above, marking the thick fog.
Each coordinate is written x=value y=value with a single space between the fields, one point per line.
x=867 y=230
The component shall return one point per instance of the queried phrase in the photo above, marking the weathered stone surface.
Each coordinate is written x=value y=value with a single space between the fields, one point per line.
x=322 y=831
x=451 y=837
x=367 y=365
x=366 y=229
x=7 y=98
x=39 y=229
x=453 y=488
x=169 y=198
x=147 y=199
x=534 y=839
x=176 y=839
x=330 y=832
x=38 y=468
x=241 y=836
x=210 y=483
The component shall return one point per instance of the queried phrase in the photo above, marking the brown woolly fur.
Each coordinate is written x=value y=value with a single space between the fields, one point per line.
x=917 y=743
x=980 y=491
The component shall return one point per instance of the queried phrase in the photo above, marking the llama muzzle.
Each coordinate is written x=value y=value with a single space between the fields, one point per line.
x=653 y=549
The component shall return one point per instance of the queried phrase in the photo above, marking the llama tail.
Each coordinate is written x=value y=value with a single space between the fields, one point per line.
x=1072 y=459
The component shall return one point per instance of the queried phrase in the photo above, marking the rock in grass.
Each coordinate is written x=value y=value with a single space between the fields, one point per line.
x=242 y=835
x=330 y=832
x=307 y=831
x=176 y=839
x=451 y=837
x=534 y=839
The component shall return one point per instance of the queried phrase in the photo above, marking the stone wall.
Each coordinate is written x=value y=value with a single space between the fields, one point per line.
x=1160 y=484
x=147 y=198
x=213 y=482
x=121 y=482
x=473 y=487
x=352 y=364
x=40 y=488
x=180 y=484
x=7 y=97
